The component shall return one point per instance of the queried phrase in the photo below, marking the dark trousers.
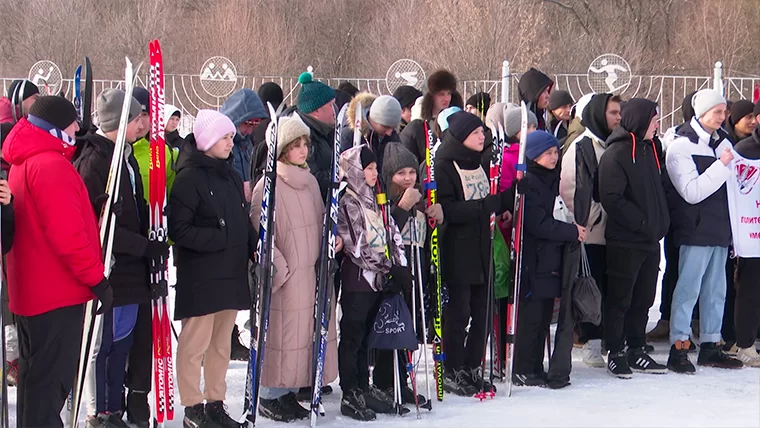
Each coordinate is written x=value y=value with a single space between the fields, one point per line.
x=465 y=302
x=597 y=260
x=533 y=319
x=140 y=365
x=632 y=276
x=49 y=353
x=669 y=278
x=747 y=316
x=359 y=310
x=111 y=364
x=727 y=330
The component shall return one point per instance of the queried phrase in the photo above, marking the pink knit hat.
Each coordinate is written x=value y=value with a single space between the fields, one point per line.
x=209 y=127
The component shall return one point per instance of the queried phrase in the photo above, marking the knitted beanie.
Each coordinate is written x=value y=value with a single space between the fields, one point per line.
x=271 y=92
x=211 y=126
x=740 y=109
x=288 y=130
x=367 y=156
x=558 y=99
x=538 y=142
x=705 y=100
x=406 y=95
x=386 y=111
x=513 y=119
x=109 y=105
x=312 y=94
x=29 y=89
x=143 y=97
x=395 y=158
x=55 y=110
x=462 y=124
x=443 y=117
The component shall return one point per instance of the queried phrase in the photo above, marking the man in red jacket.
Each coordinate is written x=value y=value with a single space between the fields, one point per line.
x=55 y=264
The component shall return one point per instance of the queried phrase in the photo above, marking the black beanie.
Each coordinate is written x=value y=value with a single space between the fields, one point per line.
x=367 y=157
x=740 y=109
x=29 y=89
x=348 y=88
x=406 y=95
x=756 y=110
x=462 y=123
x=271 y=92
x=55 y=110
x=481 y=101
x=558 y=99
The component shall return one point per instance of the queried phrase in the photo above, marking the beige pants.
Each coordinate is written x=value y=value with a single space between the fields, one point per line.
x=204 y=340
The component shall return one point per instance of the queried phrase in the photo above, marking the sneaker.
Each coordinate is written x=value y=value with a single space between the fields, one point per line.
x=138 y=410
x=749 y=356
x=639 y=361
x=678 y=360
x=11 y=370
x=195 y=417
x=290 y=401
x=557 y=384
x=275 y=410
x=660 y=332
x=407 y=394
x=304 y=394
x=238 y=352
x=592 y=353
x=530 y=379
x=216 y=412
x=617 y=365
x=354 y=406
x=711 y=355
x=459 y=382
x=479 y=382
x=379 y=401
x=731 y=349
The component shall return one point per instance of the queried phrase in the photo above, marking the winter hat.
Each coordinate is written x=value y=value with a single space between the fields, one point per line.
x=580 y=106
x=481 y=101
x=209 y=127
x=288 y=130
x=271 y=92
x=312 y=94
x=538 y=142
x=109 y=105
x=444 y=115
x=55 y=110
x=756 y=110
x=558 y=99
x=513 y=119
x=29 y=89
x=143 y=97
x=441 y=80
x=406 y=95
x=386 y=111
x=395 y=158
x=495 y=116
x=704 y=100
x=348 y=88
x=461 y=124
x=169 y=111
x=740 y=109
x=367 y=156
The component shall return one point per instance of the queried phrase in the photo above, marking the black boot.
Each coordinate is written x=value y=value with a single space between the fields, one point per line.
x=407 y=394
x=678 y=360
x=216 y=412
x=529 y=379
x=195 y=417
x=711 y=355
x=138 y=410
x=275 y=410
x=290 y=402
x=354 y=406
x=239 y=352
x=379 y=401
x=459 y=382
x=476 y=375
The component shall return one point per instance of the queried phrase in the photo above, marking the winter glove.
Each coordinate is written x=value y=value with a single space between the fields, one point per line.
x=104 y=293
x=409 y=199
x=401 y=279
x=435 y=211
x=156 y=249
x=101 y=200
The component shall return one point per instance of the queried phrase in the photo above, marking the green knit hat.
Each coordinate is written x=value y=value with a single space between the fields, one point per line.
x=312 y=95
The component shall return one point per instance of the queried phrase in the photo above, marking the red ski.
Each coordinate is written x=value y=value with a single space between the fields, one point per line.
x=162 y=340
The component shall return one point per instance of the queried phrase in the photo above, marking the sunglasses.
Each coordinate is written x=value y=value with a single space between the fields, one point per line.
x=252 y=122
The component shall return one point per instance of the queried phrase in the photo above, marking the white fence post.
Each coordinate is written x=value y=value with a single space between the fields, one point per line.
x=718 y=77
x=505 y=75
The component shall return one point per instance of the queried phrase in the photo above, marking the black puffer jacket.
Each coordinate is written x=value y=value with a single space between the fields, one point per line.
x=213 y=237
x=465 y=234
x=130 y=275
x=630 y=184
x=320 y=158
x=532 y=84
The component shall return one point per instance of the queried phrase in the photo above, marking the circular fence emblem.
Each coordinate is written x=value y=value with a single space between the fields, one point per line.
x=47 y=76
x=218 y=76
x=609 y=73
x=404 y=72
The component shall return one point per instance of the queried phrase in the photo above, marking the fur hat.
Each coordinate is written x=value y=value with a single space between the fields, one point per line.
x=441 y=80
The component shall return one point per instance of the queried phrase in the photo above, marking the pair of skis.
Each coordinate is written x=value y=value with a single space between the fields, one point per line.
x=107 y=224
x=163 y=366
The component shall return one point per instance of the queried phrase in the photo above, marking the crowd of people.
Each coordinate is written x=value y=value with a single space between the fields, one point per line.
x=601 y=190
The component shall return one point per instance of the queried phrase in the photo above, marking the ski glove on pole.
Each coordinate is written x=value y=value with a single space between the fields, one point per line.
x=156 y=249
x=101 y=200
x=104 y=293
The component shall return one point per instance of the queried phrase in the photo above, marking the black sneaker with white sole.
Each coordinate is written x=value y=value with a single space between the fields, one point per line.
x=639 y=361
x=617 y=365
x=354 y=406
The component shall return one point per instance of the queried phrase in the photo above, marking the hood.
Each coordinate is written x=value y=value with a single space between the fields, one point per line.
x=637 y=114
x=366 y=99
x=169 y=110
x=455 y=151
x=495 y=116
x=352 y=173
x=532 y=84
x=190 y=157
x=594 y=116
x=26 y=140
x=687 y=110
x=243 y=105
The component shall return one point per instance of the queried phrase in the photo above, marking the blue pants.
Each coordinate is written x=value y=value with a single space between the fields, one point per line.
x=111 y=365
x=701 y=275
x=273 y=393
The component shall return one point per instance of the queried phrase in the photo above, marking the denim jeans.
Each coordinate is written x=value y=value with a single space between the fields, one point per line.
x=701 y=274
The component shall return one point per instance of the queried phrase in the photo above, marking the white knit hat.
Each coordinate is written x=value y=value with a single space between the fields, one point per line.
x=288 y=130
x=704 y=100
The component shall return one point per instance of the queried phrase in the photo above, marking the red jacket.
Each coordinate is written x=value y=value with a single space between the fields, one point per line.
x=56 y=254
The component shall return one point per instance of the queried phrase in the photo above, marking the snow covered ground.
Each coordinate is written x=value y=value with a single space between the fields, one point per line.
x=711 y=398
